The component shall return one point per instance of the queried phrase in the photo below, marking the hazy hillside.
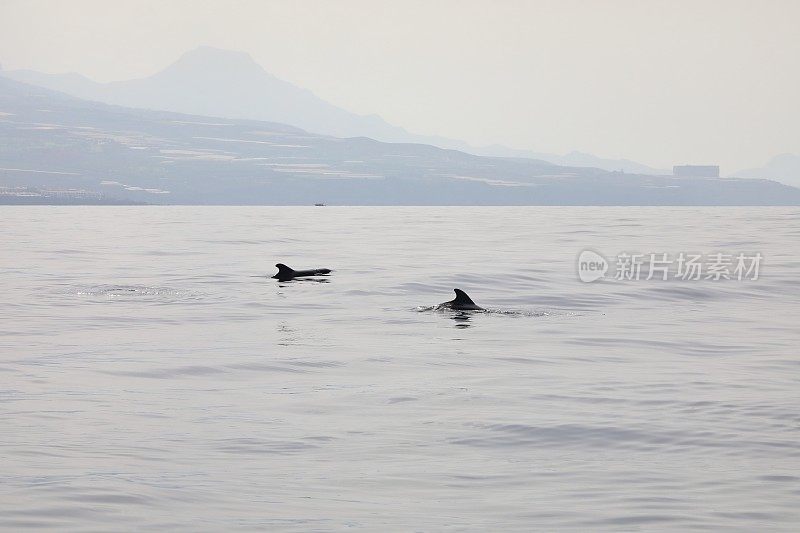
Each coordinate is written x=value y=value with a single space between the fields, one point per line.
x=222 y=83
x=784 y=168
x=54 y=141
x=213 y=82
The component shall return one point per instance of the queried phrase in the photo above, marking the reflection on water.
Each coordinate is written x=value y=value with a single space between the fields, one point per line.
x=172 y=391
x=288 y=282
x=461 y=318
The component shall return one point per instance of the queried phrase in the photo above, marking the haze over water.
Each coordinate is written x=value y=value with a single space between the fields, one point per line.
x=155 y=377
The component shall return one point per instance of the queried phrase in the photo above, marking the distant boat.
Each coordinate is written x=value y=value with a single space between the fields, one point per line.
x=320 y=205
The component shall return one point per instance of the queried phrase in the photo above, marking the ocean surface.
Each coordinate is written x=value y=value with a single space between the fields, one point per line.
x=153 y=376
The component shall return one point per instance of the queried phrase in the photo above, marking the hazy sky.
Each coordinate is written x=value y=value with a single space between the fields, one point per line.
x=662 y=82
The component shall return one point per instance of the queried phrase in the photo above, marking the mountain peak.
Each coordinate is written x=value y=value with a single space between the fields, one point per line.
x=207 y=59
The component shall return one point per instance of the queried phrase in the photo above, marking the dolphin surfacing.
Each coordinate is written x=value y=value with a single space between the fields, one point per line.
x=286 y=273
x=462 y=302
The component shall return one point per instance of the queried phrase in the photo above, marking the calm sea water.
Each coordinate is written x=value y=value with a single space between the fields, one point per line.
x=154 y=376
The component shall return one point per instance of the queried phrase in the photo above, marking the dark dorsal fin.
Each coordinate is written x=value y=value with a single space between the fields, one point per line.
x=462 y=298
x=283 y=270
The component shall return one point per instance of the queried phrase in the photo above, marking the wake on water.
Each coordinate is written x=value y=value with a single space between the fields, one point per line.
x=443 y=308
x=112 y=291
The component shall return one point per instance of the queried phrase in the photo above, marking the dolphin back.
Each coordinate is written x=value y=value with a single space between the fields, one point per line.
x=287 y=273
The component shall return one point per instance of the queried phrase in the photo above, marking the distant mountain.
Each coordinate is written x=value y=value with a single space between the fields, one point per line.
x=222 y=83
x=212 y=82
x=784 y=168
x=571 y=159
x=50 y=141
